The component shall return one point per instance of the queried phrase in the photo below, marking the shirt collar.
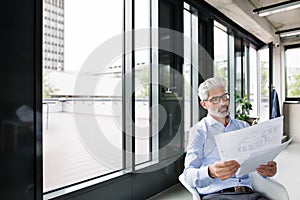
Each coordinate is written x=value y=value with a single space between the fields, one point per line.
x=211 y=121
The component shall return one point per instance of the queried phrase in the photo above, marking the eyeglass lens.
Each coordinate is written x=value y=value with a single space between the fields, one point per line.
x=224 y=97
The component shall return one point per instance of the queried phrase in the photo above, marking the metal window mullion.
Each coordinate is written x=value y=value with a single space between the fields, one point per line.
x=128 y=62
x=270 y=45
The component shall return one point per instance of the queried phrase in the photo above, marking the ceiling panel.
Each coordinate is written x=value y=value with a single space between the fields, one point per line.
x=241 y=11
x=283 y=20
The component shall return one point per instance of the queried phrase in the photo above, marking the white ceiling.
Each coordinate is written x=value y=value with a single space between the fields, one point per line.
x=241 y=12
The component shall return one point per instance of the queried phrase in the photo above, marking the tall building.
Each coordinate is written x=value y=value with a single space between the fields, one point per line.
x=53 y=35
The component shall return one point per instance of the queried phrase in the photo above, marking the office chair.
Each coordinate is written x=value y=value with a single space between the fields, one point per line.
x=268 y=187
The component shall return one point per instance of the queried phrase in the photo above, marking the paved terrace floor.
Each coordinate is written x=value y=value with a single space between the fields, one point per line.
x=69 y=157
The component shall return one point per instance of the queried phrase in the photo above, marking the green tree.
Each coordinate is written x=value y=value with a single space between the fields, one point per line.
x=264 y=79
x=294 y=86
x=243 y=108
x=48 y=89
x=143 y=77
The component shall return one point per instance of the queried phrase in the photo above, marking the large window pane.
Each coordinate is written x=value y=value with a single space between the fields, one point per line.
x=73 y=29
x=170 y=81
x=264 y=84
x=187 y=69
x=190 y=70
x=238 y=49
x=245 y=75
x=220 y=50
x=253 y=97
x=292 y=73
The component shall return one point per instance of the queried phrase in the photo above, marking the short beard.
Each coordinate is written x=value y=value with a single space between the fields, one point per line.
x=217 y=113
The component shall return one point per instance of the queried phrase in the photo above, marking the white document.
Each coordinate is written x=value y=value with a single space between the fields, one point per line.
x=253 y=145
x=260 y=157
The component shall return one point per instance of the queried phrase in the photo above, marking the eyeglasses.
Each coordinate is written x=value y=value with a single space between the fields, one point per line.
x=216 y=100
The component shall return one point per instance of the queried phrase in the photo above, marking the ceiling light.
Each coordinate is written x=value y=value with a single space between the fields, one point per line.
x=275 y=8
x=289 y=32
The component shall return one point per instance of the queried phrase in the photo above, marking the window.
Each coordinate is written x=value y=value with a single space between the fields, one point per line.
x=170 y=81
x=264 y=84
x=73 y=148
x=220 y=50
x=190 y=69
x=85 y=131
x=253 y=80
x=239 y=54
x=187 y=68
x=86 y=106
x=292 y=73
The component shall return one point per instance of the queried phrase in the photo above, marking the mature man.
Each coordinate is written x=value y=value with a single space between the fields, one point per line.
x=213 y=178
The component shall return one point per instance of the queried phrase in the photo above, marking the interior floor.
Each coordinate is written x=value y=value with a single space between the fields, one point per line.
x=288 y=162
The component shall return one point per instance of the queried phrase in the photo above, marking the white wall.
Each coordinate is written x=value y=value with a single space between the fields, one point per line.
x=291 y=113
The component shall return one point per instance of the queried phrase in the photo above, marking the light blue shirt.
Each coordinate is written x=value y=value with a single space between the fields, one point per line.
x=202 y=151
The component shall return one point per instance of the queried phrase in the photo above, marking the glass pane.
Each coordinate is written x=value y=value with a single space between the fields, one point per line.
x=264 y=84
x=142 y=74
x=220 y=51
x=73 y=29
x=253 y=82
x=245 y=70
x=187 y=66
x=238 y=66
x=171 y=86
x=292 y=73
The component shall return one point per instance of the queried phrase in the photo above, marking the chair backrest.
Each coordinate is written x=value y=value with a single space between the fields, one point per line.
x=269 y=187
x=191 y=189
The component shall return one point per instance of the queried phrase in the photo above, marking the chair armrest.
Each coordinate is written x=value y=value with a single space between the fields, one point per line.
x=269 y=187
x=191 y=189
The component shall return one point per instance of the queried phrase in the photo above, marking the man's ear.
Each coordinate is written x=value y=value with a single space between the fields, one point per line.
x=203 y=104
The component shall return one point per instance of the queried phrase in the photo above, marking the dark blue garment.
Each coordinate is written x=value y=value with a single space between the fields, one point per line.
x=275 y=105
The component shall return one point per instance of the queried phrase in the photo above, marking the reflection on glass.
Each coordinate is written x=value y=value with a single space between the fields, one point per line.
x=171 y=86
x=165 y=76
x=73 y=29
x=142 y=137
x=292 y=73
x=142 y=80
x=264 y=84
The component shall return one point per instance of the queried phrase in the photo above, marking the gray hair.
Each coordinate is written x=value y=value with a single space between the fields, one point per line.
x=210 y=84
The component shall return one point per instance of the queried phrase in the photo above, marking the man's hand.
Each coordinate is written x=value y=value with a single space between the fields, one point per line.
x=268 y=170
x=223 y=169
